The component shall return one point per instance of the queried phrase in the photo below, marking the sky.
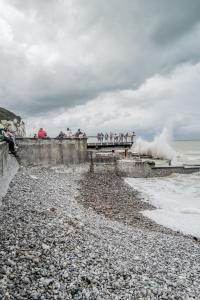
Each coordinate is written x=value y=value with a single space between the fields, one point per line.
x=106 y=65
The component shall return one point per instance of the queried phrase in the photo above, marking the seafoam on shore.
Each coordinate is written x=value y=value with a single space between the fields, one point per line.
x=52 y=247
x=176 y=199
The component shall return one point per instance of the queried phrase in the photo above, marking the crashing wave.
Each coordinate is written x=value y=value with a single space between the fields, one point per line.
x=159 y=148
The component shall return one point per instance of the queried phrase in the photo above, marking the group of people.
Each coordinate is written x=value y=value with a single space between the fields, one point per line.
x=115 y=137
x=7 y=135
x=68 y=134
x=41 y=134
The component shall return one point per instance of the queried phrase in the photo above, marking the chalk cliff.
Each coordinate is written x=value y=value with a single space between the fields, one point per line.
x=12 y=121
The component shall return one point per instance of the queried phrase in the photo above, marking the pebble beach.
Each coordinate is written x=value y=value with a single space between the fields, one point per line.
x=69 y=234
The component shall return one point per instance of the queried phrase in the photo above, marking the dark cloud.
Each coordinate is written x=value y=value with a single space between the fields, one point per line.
x=178 y=21
x=161 y=101
x=58 y=54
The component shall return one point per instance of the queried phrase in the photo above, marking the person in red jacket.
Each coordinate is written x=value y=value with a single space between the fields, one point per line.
x=41 y=133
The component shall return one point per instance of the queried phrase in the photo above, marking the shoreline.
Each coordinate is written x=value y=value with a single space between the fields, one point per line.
x=111 y=196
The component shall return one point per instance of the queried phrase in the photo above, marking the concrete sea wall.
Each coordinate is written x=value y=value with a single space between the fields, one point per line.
x=166 y=171
x=52 y=151
x=8 y=168
x=128 y=168
x=103 y=162
x=37 y=152
x=3 y=157
x=135 y=169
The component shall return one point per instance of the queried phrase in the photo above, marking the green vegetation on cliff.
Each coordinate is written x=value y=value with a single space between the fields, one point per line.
x=8 y=115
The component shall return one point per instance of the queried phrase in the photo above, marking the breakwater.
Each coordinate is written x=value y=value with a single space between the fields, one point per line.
x=45 y=152
x=104 y=163
x=135 y=169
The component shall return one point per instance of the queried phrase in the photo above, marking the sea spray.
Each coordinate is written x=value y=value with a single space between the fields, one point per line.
x=159 y=148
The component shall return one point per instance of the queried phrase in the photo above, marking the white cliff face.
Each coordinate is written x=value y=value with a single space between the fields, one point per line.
x=18 y=127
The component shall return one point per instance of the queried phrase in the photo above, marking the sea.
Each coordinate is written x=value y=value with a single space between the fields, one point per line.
x=176 y=198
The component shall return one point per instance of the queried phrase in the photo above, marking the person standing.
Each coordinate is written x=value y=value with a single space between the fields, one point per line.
x=78 y=133
x=106 y=137
x=98 y=137
x=126 y=137
x=68 y=133
x=121 y=137
x=111 y=137
x=132 y=136
x=102 y=137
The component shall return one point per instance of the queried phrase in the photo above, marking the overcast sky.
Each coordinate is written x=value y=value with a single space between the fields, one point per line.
x=102 y=64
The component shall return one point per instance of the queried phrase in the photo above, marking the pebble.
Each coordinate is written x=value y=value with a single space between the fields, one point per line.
x=45 y=247
x=55 y=247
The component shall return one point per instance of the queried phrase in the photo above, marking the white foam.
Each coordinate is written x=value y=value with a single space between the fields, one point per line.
x=178 y=222
x=191 y=211
x=177 y=198
x=159 y=148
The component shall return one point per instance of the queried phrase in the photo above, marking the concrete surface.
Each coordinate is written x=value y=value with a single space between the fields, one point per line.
x=104 y=163
x=52 y=151
x=8 y=168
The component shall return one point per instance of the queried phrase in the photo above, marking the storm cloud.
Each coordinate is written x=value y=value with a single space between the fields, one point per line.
x=64 y=61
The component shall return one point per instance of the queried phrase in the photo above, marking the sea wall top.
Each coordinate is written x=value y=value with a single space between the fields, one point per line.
x=49 y=140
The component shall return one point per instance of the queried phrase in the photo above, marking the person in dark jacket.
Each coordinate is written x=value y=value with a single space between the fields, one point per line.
x=78 y=133
x=61 y=135
x=4 y=132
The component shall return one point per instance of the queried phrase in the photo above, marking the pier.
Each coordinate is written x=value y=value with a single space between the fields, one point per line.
x=98 y=145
